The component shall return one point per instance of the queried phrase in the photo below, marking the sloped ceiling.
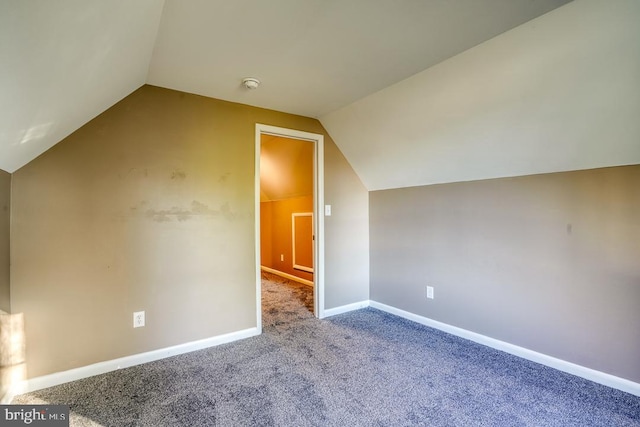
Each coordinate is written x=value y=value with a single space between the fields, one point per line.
x=559 y=93
x=65 y=61
x=314 y=56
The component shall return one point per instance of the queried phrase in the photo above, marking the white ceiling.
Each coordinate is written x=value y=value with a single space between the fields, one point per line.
x=66 y=61
x=315 y=56
x=559 y=93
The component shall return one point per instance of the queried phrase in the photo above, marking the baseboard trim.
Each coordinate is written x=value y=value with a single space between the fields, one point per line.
x=286 y=275
x=57 y=378
x=562 y=365
x=346 y=308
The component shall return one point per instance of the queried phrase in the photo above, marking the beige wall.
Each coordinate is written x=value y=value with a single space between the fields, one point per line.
x=5 y=212
x=276 y=234
x=345 y=256
x=547 y=262
x=150 y=206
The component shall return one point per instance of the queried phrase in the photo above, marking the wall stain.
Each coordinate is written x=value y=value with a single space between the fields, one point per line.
x=228 y=214
x=178 y=174
x=133 y=173
x=134 y=208
x=201 y=209
x=167 y=215
x=197 y=210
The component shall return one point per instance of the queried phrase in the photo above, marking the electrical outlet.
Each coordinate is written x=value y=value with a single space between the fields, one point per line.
x=429 y=292
x=281 y=257
x=138 y=319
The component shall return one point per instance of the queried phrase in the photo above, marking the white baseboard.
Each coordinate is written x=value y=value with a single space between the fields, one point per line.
x=137 y=359
x=57 y=378
x=559 y=364
x=287 y=275
x=346 y=308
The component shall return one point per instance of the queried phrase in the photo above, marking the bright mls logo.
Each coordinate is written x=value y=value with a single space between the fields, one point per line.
x=34 y=415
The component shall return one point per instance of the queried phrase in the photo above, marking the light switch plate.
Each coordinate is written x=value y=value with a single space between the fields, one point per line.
x=327 y=210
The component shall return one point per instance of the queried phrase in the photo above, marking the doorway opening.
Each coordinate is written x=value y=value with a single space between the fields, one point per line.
x=305 y=258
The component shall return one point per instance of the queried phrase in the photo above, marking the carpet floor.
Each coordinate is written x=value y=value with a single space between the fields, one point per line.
x=363 y=368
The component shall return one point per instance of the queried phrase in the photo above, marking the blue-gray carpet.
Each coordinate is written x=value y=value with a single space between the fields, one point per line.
x=364 y=368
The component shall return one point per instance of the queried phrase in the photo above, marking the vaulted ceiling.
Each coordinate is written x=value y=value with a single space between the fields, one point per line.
x=407 y=89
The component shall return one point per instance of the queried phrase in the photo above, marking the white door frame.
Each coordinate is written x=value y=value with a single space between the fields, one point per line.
x=318 y=204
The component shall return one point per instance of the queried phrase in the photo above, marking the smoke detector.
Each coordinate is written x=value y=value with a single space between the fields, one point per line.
x=251 y=82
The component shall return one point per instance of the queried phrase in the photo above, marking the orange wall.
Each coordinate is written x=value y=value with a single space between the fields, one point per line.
x=275 y=233
x=265 y=234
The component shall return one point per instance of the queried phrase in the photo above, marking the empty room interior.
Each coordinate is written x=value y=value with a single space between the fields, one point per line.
x=451 y=187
